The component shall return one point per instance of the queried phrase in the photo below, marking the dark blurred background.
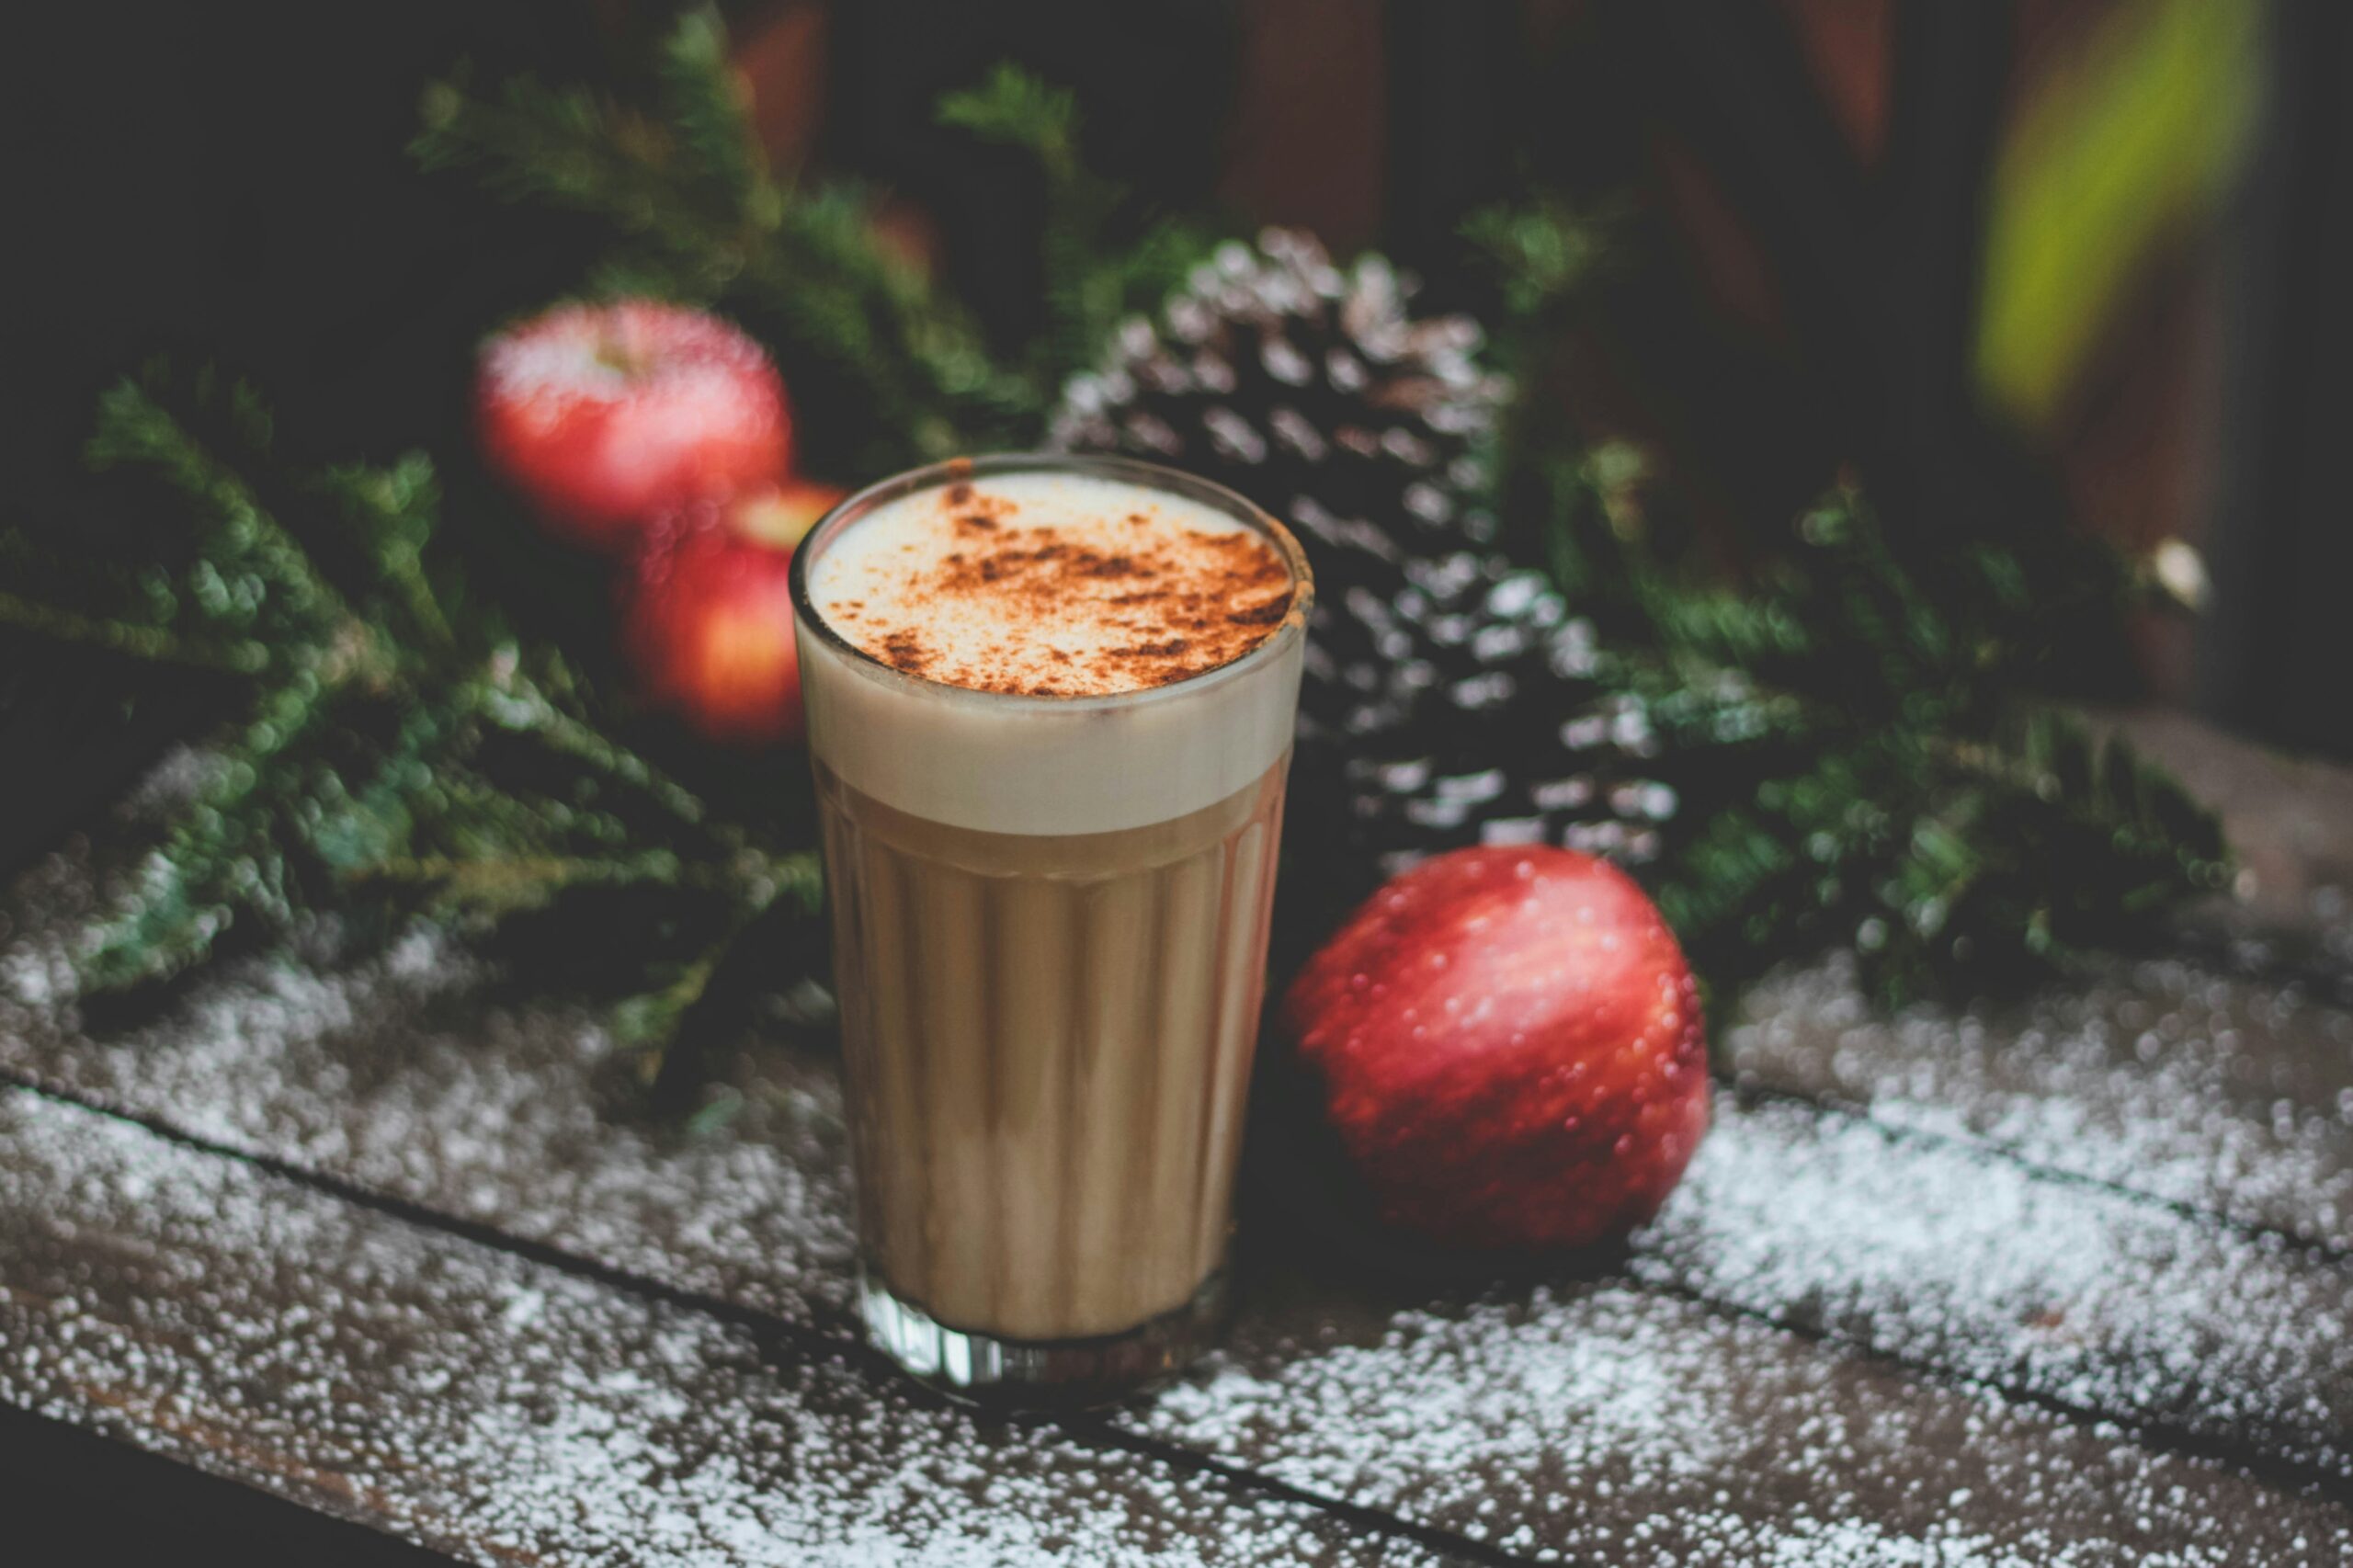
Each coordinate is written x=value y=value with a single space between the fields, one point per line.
x=2054 y=263
x=2068 y=263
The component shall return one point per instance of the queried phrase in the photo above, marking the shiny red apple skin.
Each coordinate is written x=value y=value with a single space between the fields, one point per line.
x=603 y=415
x=780 y=515
x=1510 y=1047
x=708 y=617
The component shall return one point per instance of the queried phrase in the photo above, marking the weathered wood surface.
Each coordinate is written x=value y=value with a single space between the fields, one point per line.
x=507 y=1411
x=2060 y=1282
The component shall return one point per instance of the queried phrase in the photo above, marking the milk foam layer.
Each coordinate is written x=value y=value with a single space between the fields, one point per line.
x=1052 y=585
x=1000 y=762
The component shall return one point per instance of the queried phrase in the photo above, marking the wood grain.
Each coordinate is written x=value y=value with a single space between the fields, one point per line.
x=502 y=1411
x=2008 y=1286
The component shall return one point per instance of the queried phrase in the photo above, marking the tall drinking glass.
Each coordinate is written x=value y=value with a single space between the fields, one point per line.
x=1051 y=704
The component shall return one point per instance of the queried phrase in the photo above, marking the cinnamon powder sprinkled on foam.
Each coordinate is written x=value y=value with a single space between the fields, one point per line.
x=1049 y=586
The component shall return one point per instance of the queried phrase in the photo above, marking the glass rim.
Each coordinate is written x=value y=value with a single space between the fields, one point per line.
x=1133 y=470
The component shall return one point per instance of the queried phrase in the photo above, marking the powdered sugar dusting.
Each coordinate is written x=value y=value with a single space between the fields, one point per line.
x=1642 y=1420
x=394 y=1072
x=1967 y=1262
x=2164 y=1076
x=1597 y=1423
x=502 y=1411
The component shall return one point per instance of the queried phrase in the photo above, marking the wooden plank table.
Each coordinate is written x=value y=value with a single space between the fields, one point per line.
x=2061 y=1281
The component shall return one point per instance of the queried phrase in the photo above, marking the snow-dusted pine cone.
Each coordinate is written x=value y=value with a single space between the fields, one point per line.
x=1310 y=389
x=1470 y=713
x=1449 y=696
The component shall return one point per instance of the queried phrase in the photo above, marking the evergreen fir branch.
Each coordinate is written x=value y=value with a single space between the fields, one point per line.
x=1761 y=876
x=1856 y=762
x=1542 y=253
x=807 y=262
x=1016 y=108
x=481 y=817
x=1091 y=284
x=873 y=316
x=228 y=599
x=217 y=857
x=2103 y=792
x=1716 y=709
x=133 y=428
x=636 y=275
x=657 y=1017
x=502 y=884
x=707 y=105
x=168 y=927
x=509 y=700
x=1720 y=627
x=1540 y=257
x=394 y=510
x=380 y=819
x=796 y=881
x=1148 y=270
x=362 y=778
x=1938 y=856
x=1594 y=544
x=651 y=1018
x=155 y=645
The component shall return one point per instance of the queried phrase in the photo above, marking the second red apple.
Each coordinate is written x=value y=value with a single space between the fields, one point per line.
x=708 y=622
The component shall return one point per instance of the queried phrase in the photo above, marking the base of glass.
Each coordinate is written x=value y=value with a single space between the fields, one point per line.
x=1061 y=1373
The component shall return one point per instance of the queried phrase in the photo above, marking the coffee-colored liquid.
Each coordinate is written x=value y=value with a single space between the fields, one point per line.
x=1047 y=1040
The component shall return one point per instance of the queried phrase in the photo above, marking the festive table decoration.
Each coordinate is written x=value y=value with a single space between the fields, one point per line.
x=1845 y=749
x=402 y=752
x=602 y=415
x=707 y=617
x=1510 y=1047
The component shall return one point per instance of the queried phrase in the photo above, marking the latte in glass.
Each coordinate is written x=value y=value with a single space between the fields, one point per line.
x=1051 y=704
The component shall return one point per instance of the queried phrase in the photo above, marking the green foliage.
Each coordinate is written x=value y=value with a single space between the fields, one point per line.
x=694 y=215
x=1861 y=758
x=1013 y=106
x=1091 y=281
x=1847 y=730
x=1540 y=252
x=708 y=106
x=393 y=757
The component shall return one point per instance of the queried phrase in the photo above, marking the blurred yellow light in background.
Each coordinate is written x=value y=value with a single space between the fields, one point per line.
x=2111 y=155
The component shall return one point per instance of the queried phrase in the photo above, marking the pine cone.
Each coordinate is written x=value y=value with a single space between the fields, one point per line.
x=1470 y=712
x=1449 y=696
x=1312 y=391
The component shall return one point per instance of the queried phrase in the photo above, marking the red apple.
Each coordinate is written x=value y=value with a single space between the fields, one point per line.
x=709 y=616
x=1510 y=1047
x=602 y=415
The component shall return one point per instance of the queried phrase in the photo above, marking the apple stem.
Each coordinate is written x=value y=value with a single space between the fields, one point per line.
x=612 y=354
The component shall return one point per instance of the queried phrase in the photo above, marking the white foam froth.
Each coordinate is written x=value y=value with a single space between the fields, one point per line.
x=1008 y=635
x=1029 y=764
